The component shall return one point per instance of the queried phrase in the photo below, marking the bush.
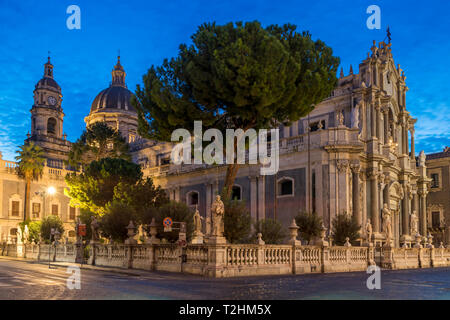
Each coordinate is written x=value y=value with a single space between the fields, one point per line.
x=272 y=231
x=47 y=224
x=344 y=226
x=179 y=212
x=237 y=221
x=310 y=225
x=115 y=220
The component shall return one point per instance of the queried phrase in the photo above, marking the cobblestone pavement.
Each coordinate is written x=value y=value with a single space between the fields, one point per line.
x=32 y=280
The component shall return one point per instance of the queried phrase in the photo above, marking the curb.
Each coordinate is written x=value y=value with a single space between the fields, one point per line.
x=133 y=272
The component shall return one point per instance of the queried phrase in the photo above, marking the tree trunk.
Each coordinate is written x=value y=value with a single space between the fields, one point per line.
x=232 y=170
x=27 y=199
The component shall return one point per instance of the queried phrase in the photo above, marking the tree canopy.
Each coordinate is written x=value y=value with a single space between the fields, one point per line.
x=98 y=141
x=236 y=76
x=95 y=187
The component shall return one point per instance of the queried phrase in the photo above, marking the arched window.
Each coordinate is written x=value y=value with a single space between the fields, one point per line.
x=192 y=198
x=236 y=193
x=51 y=126
x=285 y=187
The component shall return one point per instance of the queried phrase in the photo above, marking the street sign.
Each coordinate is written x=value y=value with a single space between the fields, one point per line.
x=82 y=230
x=167 y=222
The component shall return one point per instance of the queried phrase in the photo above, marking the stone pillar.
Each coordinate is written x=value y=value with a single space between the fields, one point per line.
x=405 y=211
x=374 y=201
x=413 y=147
x=377 y=122
x=261 y=198
x=386 y=125
x=405 y=138
x=253 y=198
x=423 y=213
x=208 y=199
x=373 y=129
x=355 y=194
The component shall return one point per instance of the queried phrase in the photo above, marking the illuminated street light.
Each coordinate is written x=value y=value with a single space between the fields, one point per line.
x=51 y=190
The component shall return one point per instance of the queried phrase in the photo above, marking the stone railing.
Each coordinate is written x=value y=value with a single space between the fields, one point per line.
x=230 y=260
x=410 y=258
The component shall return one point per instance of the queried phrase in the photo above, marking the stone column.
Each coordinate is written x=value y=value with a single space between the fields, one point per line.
x=423 y=212
x=253 y=198
x=373 y=129
x=413 y=147
x=377 y=122
x=386 y=125
x=374 y=210
x=405 y=211
x=355 y=193
x=405 y=138
x=261 y=198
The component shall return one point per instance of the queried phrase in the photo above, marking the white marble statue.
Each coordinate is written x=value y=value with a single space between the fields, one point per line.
x=355 y=117
x=422 y=158
x=197 y=222
x=369 y=230
x=414 y=223
x=217 y=213
x=387 y=227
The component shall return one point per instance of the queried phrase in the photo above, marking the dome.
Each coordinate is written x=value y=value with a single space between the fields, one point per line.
x=117 y=96
x=48 y=82
x=114 y=97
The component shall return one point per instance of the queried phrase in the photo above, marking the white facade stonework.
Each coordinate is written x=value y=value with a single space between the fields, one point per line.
x=353 y=153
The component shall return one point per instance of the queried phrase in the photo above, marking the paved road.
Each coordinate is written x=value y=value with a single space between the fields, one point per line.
x=31 y=280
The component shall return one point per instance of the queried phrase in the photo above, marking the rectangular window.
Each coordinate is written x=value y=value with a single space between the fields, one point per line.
x=436 y=219
x=54 y=209
x=317 y=125
x=435 y=180
x=36 y=210
x=15 y=208
x=71 y=213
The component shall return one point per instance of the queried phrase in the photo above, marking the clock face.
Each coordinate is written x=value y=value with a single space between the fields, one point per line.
x=51 y=100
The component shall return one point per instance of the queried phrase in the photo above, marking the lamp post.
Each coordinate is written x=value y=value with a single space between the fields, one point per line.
x=49 y=191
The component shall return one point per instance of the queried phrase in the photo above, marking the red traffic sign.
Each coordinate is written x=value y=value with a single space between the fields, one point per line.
x=82 y=230
x=182 y=243
x=167 y=222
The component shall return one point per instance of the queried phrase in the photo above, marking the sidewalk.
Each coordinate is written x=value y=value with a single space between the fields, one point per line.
x=133 y=272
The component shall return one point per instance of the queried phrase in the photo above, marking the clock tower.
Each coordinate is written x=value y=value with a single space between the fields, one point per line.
x=47 y=119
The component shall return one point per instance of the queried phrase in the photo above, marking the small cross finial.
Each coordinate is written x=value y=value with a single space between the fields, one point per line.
x=48 y=57
x=388 y=34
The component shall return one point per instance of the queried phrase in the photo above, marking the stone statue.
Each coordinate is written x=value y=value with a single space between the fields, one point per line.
x=369 y=230
x=197 y=222
x=387 y=227
x=355 y=117
x=341 y=118
x=414 y=223
x=422 y=158
x=94 y=229
x=19 y=235
x=217 y=213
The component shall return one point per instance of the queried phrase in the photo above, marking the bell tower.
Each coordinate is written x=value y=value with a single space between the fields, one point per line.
x=47 y=117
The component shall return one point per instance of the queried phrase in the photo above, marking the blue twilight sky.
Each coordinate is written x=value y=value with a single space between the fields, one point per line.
x=148 y=31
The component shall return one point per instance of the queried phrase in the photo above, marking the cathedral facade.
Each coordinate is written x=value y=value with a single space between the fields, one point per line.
x=354 y=153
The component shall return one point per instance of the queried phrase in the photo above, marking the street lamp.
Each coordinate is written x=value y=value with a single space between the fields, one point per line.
x=49 y=191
